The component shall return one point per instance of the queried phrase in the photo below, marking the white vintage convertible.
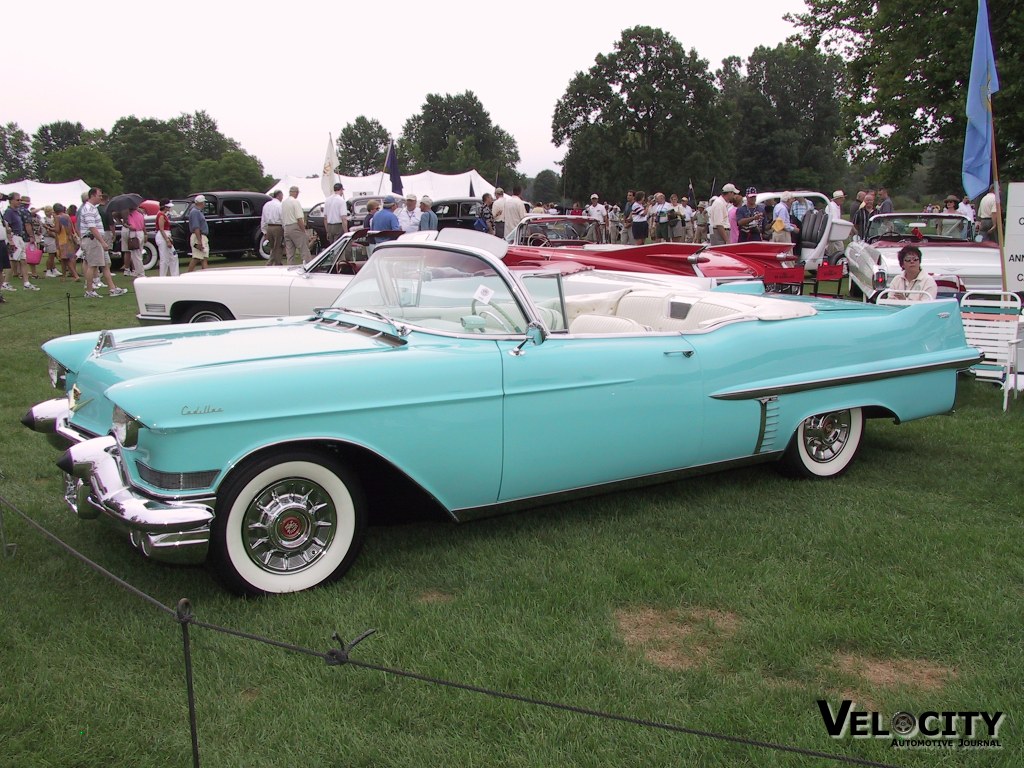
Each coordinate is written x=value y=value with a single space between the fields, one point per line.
x=242 y=293
x=951 y=252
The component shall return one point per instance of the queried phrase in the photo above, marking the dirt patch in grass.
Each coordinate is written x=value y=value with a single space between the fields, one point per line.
x=435 y=596
x=680 y=639
x=898 y=673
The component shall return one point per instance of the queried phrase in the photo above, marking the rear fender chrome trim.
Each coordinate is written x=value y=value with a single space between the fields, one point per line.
x=838 y=381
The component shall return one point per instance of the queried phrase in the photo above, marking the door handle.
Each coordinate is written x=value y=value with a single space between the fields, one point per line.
x=682 y=352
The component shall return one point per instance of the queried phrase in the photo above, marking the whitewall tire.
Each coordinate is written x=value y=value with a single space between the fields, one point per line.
x=287 y=523
x=825 y=444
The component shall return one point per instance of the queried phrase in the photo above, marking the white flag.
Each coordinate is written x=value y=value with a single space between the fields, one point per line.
x=330 y=163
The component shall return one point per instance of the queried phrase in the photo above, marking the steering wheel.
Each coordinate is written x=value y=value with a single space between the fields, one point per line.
x=538 y=240
x=493 y=310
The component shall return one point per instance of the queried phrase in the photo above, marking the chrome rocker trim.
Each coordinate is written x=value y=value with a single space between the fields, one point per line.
x=174 y=532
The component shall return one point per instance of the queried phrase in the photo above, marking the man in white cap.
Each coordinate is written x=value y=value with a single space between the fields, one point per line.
x=498 y=212
x=718 y=214
x=294 y=220
x=835 y=213
x=428 y=219
x=409 y=216
x=783 y=228
x=599 y=214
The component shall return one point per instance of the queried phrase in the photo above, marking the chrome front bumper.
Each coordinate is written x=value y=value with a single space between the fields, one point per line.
x=95 y=486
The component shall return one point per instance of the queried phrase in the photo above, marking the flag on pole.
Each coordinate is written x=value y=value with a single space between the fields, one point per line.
x=391 y=169
x=978 y=150
x=691 y=194
x=330 y=163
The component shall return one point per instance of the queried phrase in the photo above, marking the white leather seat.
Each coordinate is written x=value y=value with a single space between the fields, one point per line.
x=606 y=324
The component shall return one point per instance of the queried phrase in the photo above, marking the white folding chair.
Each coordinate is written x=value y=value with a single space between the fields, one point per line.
x=992 y=324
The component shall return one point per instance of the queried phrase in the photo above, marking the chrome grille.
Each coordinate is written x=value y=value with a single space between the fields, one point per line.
x=177 y=481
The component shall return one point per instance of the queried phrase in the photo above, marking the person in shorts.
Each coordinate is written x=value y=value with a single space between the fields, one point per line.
x=94 y=246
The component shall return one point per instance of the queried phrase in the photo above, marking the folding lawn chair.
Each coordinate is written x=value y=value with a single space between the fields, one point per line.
x=992 y=324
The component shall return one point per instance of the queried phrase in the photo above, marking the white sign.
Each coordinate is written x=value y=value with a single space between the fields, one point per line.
x=1013 y=245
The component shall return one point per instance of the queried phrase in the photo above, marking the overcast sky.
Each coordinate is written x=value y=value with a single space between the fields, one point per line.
x=279 y=76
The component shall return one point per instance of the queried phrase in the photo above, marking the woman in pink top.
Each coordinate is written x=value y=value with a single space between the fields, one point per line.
x=135 y=226
x=734 y=228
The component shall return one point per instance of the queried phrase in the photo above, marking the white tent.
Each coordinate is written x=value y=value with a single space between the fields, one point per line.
x=41 y=194
x=438 y=186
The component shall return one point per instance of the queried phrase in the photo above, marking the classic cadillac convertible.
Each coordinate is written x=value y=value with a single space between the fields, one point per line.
x=441 y=379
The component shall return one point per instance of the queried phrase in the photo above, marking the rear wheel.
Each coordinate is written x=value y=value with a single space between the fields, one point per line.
x=150 y=256
x=262 y=247
x=836 y=258
x=287 y=522
x=205 y=313
x=824 y=445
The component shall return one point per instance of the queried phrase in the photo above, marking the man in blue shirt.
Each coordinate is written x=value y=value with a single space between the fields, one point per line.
x=385 y=220
x=199 y=240
x=428 y=219
x=749 y=218
x=15 y=220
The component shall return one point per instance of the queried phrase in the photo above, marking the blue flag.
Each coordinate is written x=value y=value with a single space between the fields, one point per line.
x=391 y=169
x=977 y=169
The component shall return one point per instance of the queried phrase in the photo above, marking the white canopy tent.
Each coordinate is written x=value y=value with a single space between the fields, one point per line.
x=438 y=186
x=42 y=194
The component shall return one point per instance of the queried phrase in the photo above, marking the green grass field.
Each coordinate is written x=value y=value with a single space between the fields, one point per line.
x=729 y=603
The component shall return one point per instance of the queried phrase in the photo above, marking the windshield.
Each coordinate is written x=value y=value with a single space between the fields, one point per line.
x=539 y=232
x=435 y=288
x=913 y=226
x=347 y=254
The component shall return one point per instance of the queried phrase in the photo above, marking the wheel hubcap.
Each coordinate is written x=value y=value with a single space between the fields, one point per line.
x=826 y=435
x=289 y=526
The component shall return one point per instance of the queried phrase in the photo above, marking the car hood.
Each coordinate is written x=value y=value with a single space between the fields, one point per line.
x=128 y=366
x=227 y=274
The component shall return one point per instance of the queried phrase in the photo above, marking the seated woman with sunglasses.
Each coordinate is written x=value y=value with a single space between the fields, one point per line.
x=912 y=284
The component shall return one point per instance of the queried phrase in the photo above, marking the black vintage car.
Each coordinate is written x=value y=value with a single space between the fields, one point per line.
x=456 y=212
x=233 y=218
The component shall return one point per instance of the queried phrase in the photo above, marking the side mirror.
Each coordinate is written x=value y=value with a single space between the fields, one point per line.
x=534 y=335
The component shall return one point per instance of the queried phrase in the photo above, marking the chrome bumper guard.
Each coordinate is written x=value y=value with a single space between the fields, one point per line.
x=170 y=531
x=51 y=419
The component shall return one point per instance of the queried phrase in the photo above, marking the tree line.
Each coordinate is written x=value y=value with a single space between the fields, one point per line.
x=867 y=94
x=158 y=158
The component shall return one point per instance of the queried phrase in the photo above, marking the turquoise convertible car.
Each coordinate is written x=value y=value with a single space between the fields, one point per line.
x=442 y=379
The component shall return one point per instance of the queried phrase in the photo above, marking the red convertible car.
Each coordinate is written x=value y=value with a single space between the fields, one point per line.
x=724 y=263
x=540 y=238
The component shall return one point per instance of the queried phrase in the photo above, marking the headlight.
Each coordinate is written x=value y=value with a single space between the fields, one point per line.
x=125 y=428
x=58 y=374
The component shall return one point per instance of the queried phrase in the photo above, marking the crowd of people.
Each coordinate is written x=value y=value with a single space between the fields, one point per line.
x=59 y=237
x=63 y=235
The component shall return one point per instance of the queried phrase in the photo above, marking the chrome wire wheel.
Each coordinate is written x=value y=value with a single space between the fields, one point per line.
x=287 y=522
x=824 y=444
x=289 y=526
x=826 y=435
